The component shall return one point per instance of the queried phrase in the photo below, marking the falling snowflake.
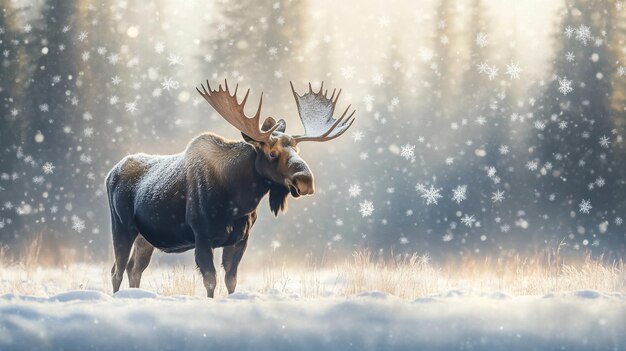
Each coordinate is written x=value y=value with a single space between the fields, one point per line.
x=174 y=60
x=513 y=70
x=468 y=220
x=78 y=224
x=498 y=196
x=503 y=149
x=170 y=83
x=354 y=190
x=605 y=142
x=600 y=182
x=357 y=136
x=431 y=195
x=570 y=56
x=584 y=206
x=482 y=39
x=82 y=36
x=113 y=59
x=407 y=151
x=482 y=67
x=583 y=34
x=459 y=193
x=532 y=165
x=618 y=221
x=48 y=168
x=492 y=72
x=540 y=125
x=131 y=106
x=88 y=132
x=366 y=208
x=565 y=86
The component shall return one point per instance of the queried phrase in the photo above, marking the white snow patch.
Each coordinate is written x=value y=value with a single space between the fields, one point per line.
x=373 y=320
x=135 y=293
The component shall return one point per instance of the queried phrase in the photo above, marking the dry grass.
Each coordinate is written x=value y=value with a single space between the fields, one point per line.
x=406 y=276
x=177 y=281
x=414 y=276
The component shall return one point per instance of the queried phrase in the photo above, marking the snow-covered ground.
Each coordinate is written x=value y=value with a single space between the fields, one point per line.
x=454 y=320
x=364 y=304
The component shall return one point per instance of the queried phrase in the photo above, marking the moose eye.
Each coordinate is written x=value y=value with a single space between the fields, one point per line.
x=273 y=154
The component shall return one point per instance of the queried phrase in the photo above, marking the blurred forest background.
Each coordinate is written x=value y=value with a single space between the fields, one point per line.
x=483 y=126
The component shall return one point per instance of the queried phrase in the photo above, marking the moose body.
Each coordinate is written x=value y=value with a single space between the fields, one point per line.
x=207 y=196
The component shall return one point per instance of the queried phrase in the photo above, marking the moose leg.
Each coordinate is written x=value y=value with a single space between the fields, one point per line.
x=232 y=254
x=122 y=243
x=204 y=260
x=139 y=261
x=230 y=260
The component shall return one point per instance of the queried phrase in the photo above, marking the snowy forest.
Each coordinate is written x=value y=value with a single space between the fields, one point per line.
x=482 y=126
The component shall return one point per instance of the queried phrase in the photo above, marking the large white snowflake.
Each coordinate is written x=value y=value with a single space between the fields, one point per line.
x=565 y=86
x=584 y=206
x=482 y=39
x=498 y=196
x=354 y=190
x=431 y=195
x=583 y=34
x=468 y=220
x=78 y=224
x=407 y=151
x=48 y=168
x=170 y=83
x=513 y=70
x=131 y=106
x=605 y=142
x=459 y=193
x=174 y=60
x=366 y=208
x=532 y=165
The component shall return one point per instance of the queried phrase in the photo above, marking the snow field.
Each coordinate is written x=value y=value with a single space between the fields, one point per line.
x=374 y=320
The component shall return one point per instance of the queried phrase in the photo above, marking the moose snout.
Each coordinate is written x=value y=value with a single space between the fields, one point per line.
x=303 y=183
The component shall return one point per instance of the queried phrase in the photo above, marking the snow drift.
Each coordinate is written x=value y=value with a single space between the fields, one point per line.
x=456 y=319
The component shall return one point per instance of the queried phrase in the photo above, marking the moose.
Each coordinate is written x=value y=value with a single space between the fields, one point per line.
x=207 y=196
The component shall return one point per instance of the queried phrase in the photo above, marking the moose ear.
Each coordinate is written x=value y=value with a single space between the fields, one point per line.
x=282 y=125
x=270 y=122
x=267 y=124
x=278 y=199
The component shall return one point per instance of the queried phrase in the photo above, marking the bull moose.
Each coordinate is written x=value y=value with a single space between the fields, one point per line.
x=206 y=197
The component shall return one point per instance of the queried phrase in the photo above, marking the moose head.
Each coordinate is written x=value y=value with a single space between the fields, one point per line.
x=278 y=156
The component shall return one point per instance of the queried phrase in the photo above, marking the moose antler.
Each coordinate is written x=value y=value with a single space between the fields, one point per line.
x=232 y=111
x=316 y=112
